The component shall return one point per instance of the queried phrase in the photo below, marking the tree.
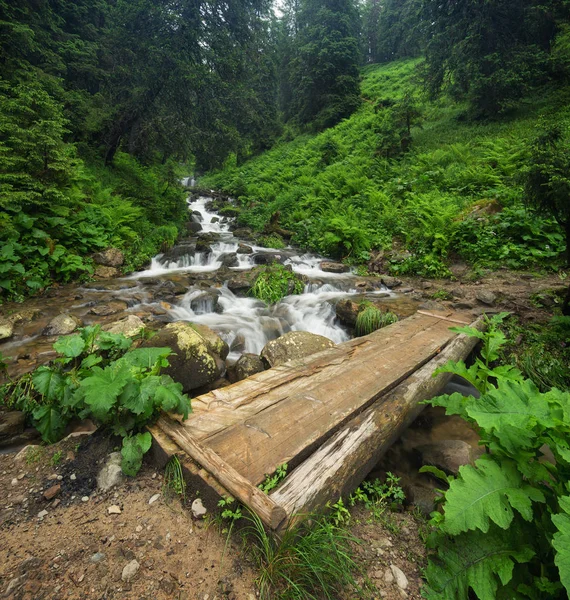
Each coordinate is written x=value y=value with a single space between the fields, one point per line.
x=325 y=79
x=547 y=186
x=488 y=52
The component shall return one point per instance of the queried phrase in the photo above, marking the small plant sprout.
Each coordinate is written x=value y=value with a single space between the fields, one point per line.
x=173 y=482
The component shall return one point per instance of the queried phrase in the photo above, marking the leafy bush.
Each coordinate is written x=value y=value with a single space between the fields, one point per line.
x=97 y=376
x=275 y=282
x=505 y=527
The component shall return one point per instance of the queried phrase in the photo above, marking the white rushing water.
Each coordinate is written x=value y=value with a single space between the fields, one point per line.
x=248 y=324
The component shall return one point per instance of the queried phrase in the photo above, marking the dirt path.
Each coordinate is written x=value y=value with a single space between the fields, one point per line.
x=77 y=550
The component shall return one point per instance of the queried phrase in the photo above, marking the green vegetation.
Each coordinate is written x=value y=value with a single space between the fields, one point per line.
x=274 y=283
x=174 y=482
x=272 y=481
x=98 y=376
x=56 y=458
x=505 y=524
x=310 y=562
x=452 y=189
x=370 y=319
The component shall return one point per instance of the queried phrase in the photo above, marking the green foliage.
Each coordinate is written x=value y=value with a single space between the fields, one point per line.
x=504 y=529
x=56 y=458
x=275 y=282
x=377 y=496
x=272 y=241
x=173 y=481
x=98 y=376
x=370 y=319
x=314 y=560
x=272 y=481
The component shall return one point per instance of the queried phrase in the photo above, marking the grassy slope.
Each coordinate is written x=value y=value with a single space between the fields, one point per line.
x=343 y=198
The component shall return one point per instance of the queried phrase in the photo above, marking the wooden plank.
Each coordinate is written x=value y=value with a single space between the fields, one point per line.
x=240 y=488
x=220 y=409
x=306 y=414
x=342 y=462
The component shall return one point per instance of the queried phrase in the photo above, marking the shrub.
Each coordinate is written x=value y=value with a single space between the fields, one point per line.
x=275 y=282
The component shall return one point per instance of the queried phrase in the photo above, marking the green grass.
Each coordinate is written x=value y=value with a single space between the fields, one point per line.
x=370 y=319
x=342 y=197
x=274 y=283
x=174 y=483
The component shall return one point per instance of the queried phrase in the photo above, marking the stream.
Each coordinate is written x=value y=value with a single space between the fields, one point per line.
x=205 y=279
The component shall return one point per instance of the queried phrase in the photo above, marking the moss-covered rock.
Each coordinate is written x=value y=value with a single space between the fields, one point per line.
x=294 y=345
x=197 y=359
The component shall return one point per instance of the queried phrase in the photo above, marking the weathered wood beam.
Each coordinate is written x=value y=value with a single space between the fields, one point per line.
x=342 y=462
x=238 y=486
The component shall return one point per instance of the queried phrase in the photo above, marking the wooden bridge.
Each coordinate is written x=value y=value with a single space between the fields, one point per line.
x=330 y=417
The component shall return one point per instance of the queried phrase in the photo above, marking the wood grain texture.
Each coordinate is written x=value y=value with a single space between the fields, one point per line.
x=239 y=487
x=343 y=461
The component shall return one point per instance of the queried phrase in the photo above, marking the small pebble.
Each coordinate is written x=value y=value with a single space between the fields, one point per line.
x=97 y=557
x=14 y=481
x=114 y=510
x=154 y=498
x=42 y=514
x=73 y=477
x=139 y=528
x=85 y=499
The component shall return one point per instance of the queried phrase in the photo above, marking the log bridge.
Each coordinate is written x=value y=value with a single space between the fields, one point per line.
x=330 y=417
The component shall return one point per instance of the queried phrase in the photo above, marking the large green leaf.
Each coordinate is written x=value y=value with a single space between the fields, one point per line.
x=487 y=493
x=49 y=422
x=477 y=561
x=134 y=448
x=49 y=383
x=70 y=346
x=511 y=412
x=146 y=357
x=170 y=398
x=102 y=389
x=561 y=541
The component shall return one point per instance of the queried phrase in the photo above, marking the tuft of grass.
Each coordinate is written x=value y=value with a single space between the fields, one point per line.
x=274 y=283
x=370 y=319
x=272 y=241
x=34 y=454
x=56 y=458
x=173 y=482
x=313 y=561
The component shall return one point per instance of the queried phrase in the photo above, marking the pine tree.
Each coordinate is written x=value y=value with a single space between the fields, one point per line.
x=325 y=79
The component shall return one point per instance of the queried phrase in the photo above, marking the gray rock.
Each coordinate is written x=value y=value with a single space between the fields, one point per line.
x=332 y=267
x=114 y=509
x=62 y=325
x=129 y=326
x=244 y=249
x=198 y=509
x=97 y=557
x=347 y=311
x=109 y=308
x=486 y=297
x=111 y=474
x=206 y=303
x=447 y=455
x=154 y=498
x=401 y=579
x=111 y=257
x=229 y=259
x=130 y=571
x=42 y=514
x=388 y=576
x=6 y=329
x=11 y=424
x=102 y=272
x=247 y=365
x=198 y=353
x=193 y=227
x=421 y=497
x=294 y=345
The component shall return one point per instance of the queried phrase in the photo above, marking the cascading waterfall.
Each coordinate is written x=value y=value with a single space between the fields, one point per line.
x=247 y=324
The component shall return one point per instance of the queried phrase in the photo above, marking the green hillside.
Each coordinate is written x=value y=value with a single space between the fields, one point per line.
x=449 y=189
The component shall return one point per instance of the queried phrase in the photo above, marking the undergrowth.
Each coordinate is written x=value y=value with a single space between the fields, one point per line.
x=370 y=318
x=456 y=191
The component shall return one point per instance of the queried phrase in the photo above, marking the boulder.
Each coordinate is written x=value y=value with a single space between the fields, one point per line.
x=109 y=308
x=24 y=316
x=111 y=257
x=266 y=258
x=332 y=267
x=486 y=297
x=294 y=345
x=206 y=302
x=215 y=343
x=62 y=325
x=347 y=311
x=447 y=455
x=6 y=329
x=229 y=259
x=247 y=365
x=11 y=425
x=203 y=246
x=390 y=282
x=244 y=249
x=111 y=474
x=102 y=272
x=240 y=283
x=194 y=363
x=129 y=326
x=243 y=232
x=193 y=227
